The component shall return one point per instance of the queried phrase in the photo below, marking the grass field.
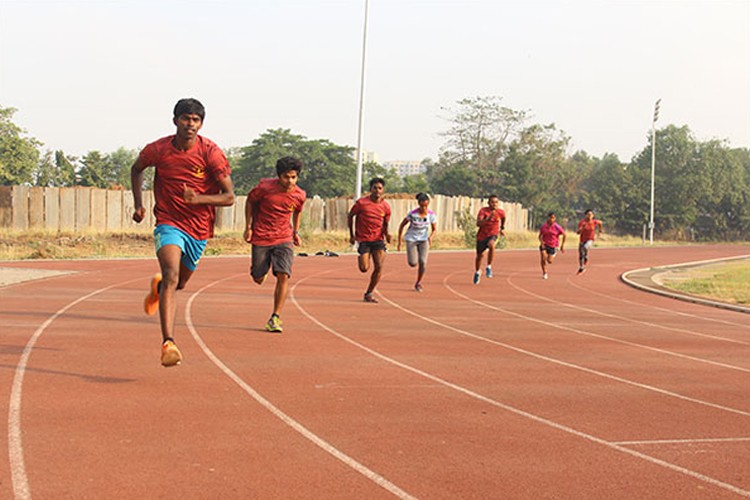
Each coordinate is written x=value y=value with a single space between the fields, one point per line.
x=726 y=282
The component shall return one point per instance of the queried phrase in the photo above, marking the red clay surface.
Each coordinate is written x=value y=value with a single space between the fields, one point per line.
x=573 y=387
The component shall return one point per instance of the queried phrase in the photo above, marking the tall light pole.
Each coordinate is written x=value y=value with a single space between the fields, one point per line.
x=653 y=168
x=358 y=188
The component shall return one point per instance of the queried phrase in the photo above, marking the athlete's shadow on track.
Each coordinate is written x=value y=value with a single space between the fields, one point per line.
x=18 y=349
x=88 y=378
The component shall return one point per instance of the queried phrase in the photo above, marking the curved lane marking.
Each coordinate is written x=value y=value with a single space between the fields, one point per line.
x=20 y=480
x=512 y=409
x=622 y=318
x=593 y=334
x=664 y=309
x=555 y=360
x=286 y=419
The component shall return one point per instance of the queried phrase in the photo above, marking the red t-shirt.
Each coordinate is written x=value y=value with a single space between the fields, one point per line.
x=200 y=168
x=587 y=229
x=272 y=210
x=371 y=218
x=491 y=227
x=550 y=234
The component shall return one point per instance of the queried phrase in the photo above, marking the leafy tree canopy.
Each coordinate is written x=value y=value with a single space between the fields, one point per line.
x=329 y=170
x=19 y=155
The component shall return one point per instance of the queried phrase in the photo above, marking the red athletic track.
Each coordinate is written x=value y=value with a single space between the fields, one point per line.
x=574 y=387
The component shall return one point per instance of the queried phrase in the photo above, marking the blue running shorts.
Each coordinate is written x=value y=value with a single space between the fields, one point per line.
x=192 y=249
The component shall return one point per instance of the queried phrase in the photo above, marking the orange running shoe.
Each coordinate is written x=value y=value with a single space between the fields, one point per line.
x=170 y=354
x=151 y=302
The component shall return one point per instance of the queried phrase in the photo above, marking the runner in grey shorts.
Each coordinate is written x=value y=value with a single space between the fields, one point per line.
x=422 y=226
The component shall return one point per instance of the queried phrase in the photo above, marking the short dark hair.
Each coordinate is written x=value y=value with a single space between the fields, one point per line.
x=288 y=163
x=189 y=106
x=422 y=197
x=493 y=196
x=587 y=211
x=550 y=214
x=377 y=180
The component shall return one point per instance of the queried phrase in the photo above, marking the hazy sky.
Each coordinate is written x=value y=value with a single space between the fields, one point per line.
x=99 y=74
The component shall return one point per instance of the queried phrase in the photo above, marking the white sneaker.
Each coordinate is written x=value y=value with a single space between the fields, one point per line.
x=544 y=276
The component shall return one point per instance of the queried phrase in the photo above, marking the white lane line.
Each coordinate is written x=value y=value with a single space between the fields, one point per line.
x=622 y=318
x=517 y=411
x=286 y=419
x=20 y=480
x=685 y=441
x=558 y=361
x=555 y=360
x=663 y=309
x=591 y=334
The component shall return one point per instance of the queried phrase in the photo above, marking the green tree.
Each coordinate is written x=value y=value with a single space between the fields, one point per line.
x=117 y=167
x=724 y=212
x=678 y=181
x=608 y=191
x=456 y=179
x=19 y=156
x=372 y=169
x=415 y=184
x=481 y=129
x=66 y=169
x=537 y=173
x=701 y=188
x=329 y=168
x=93 y=171
x=45 y=174
x=580 y=168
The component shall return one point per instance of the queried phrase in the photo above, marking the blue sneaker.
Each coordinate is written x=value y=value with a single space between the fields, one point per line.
x=488 y=272
x=477 y=275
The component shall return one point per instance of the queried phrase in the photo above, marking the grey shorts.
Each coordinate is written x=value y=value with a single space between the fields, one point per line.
x=416 y=252
x=279 y=258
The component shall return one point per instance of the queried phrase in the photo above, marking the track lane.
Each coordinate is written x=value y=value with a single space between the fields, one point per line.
x=456 y=446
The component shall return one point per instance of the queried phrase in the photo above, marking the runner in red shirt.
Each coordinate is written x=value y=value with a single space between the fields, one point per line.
x=373 y=214
x=491 y=223
x=549 y=239
x=268 y=210
x=192 y=177
x=587 y=229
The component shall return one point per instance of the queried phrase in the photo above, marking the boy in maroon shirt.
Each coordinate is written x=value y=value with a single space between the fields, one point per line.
x=491 y=223
x=587 y=229
x=192 y=177
x=268 y=208
x=372 y=215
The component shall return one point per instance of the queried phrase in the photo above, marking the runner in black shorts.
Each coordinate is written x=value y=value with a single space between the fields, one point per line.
x=372 y=214
x=549 y=239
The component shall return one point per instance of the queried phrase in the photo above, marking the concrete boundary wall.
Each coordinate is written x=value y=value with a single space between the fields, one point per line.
x=83 y=209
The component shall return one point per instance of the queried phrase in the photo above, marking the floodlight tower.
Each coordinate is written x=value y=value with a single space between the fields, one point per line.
x=358 y=187
x=653 y=165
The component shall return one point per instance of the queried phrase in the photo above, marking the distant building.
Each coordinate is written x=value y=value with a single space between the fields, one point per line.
x=367 y=156
x=405 y=167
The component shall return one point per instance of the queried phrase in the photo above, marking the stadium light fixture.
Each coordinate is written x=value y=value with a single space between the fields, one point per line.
x=653 y=168
x=358 y=187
